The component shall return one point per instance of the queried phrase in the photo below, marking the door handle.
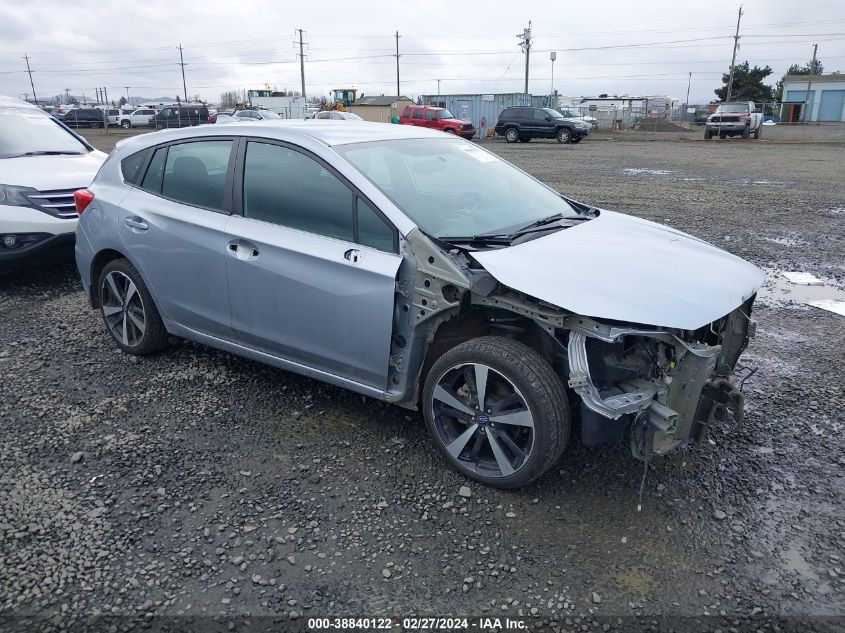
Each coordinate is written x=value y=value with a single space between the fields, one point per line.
x=136 y=224
x=243 y=250
x=353 y=255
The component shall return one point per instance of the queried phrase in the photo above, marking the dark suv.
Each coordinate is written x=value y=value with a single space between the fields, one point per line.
x=525 y=123
x=180 y=116
x=83 y=117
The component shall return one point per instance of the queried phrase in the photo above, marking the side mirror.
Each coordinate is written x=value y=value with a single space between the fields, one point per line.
x=548 y=118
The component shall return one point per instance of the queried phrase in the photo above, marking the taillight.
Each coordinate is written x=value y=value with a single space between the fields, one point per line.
x=82 y=198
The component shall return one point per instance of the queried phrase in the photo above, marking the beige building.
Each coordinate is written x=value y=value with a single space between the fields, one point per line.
x=380 y=109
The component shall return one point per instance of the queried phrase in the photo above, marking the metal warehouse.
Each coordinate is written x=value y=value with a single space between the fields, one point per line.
x=481 y=109
x=825 y=100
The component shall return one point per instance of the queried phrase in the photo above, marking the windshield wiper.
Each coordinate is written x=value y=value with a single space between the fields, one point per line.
x=504 y=240
x=48 y=153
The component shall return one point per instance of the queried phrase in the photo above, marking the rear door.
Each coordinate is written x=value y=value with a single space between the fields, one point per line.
x=174 y=223
x=311 y=266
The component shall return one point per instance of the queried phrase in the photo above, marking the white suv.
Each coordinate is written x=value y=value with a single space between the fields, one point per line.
x=42 y=163
x=138 y=118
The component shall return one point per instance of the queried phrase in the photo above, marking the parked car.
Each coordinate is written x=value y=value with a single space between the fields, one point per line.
x=212 y=115
x=83 y=117
x=255 y=115
x=113 y=115
x=336 y=115
x=739 y=118
x=42 y=163
x=437 y=119
x=180 y=116
x=524 y=123
x=423 y=270
x=142 y=117
x=575 y=113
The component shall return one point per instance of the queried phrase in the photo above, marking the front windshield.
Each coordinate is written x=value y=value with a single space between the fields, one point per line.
x=350 y=116
x=453 y=188
x=443 y=113
x=24 y=132
x=574 y=113
x=553 y=113
x=733 y=108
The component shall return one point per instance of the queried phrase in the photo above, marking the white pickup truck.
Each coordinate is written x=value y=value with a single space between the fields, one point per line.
x=735 y=118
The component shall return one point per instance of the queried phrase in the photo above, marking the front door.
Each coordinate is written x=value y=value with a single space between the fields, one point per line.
x=174 y=226
x=311 y=267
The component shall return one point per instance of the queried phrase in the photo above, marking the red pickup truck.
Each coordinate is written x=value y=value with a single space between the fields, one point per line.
x=438 y=119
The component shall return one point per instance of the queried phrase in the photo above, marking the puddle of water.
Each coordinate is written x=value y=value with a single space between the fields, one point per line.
x=778 y=291
x=640 y=171
x=786 y=241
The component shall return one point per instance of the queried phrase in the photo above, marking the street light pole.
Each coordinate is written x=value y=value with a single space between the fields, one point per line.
x=553 y=57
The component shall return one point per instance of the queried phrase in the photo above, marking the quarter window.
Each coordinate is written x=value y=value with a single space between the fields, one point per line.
x=285 y=187
x=373 y=231
x=195 y=173
x=131 y=166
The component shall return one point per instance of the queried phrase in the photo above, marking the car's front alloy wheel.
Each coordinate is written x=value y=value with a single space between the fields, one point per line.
x=497 y=411
x=128 y=310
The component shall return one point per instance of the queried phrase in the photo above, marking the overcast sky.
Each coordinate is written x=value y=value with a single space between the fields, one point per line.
x=603 y=46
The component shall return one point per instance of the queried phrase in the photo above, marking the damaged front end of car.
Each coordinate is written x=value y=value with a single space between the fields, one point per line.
x=660 y=385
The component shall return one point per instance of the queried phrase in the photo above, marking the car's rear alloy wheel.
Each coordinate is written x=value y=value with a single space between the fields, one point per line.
x=497 y=411
x=128 y=310
x=512 y=136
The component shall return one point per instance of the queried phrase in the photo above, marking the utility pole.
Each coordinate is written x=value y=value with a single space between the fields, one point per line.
x=301 y=63
x=32 y=85
x=67 y=96
x=525 y=45
x=552 y=57
x=105 y=96
x=809 y=84
x=398 y=94
x=733 y=59
x=689 y=83
x=182 y=64
x=127 y=94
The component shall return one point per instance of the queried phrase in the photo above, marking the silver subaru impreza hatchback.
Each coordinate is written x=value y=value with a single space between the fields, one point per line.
x=418 y=268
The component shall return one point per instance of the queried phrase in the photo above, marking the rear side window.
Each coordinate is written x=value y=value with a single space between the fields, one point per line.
x=195 y=173
x=285 y=187
x=130 y=166
x=152 y=179
x=418 y=114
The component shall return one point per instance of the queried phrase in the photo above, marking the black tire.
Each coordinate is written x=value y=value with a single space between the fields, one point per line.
x=577 y=139
x=511 y=135
x=126 y=124
x=564 y=135
x=723 y=135
x=746 y=133
x=708 y=134
x=154 y=336
x=759 y=132
x=451 y=131
x=537 y=387
x=94 y=125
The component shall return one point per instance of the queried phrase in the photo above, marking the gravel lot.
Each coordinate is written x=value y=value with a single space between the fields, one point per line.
x=197 y=483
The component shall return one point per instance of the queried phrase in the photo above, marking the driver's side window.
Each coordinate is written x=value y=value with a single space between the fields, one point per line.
x=540 y=115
